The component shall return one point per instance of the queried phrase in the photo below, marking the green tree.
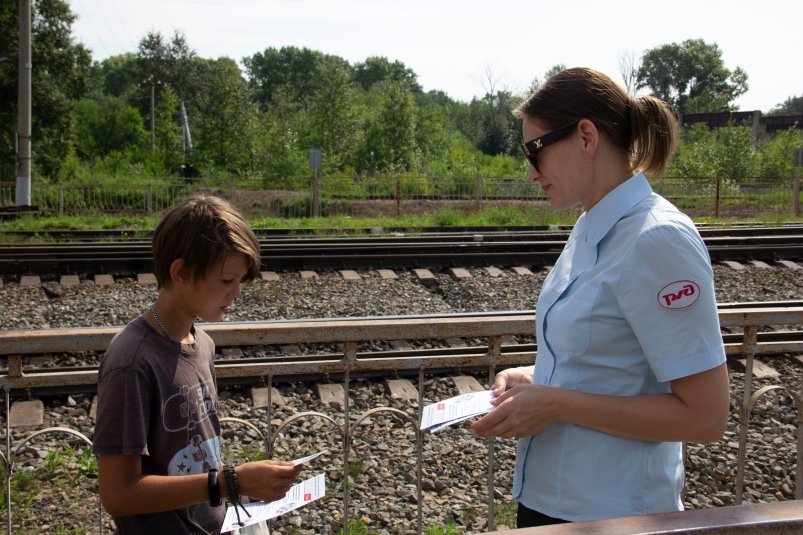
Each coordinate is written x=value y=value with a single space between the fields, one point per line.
x=120 y=75
x=555 y=69
x=376 y=69
x=776 y=155
x=59 y=76
x=791 y=106
x=389 y=144
x=106 y=125
x=691 y=77
x=224 y=133
x=334 y=123
x=298 y=70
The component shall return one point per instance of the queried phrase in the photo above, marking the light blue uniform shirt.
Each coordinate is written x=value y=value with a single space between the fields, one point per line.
x=628 y=307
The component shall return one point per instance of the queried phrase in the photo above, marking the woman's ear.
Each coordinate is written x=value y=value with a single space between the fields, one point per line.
x=589 y=137
x=177 y=273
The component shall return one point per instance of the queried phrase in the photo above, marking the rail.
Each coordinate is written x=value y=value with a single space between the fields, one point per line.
x=349 y=333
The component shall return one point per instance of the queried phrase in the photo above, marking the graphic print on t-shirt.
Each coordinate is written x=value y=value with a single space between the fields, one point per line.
x=198 y=457
x=187 y=409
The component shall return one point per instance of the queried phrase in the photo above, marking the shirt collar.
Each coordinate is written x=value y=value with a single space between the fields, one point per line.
x=601 y=217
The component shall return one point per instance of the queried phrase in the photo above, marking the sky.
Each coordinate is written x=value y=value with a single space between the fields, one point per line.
x=466 y=47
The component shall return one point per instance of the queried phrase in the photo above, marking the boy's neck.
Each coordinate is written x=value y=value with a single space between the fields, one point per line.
x=171 y=321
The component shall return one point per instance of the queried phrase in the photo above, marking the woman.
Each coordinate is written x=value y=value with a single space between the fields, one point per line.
x=630 y=357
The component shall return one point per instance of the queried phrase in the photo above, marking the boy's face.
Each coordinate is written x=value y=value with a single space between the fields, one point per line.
x=210 y=297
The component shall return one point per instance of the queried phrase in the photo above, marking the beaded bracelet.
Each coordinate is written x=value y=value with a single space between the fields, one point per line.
x=233 y=489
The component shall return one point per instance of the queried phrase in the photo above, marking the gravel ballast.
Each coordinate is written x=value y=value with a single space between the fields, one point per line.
x=382 y=465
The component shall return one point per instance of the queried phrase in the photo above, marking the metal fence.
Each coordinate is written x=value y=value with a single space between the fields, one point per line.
x=399 y=196
x=349 y=333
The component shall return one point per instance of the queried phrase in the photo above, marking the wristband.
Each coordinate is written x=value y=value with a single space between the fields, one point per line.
x=232 y=485
x=214 y=489
x=233 y=490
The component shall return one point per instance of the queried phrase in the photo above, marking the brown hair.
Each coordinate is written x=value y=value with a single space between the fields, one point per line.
x=644 y=127
x=203 y=230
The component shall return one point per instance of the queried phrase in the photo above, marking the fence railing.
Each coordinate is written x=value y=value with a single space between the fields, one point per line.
x=401 y=196
x=349 y=333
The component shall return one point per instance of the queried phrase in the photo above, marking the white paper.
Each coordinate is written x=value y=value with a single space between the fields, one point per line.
x=299 y=495
x=450 y=411
x=308 y=458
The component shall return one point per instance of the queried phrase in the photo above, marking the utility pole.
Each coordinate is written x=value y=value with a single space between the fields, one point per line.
x=23 y=190
x=153 y=118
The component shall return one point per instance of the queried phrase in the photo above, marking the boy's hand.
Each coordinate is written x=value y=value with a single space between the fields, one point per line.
x=267 y=480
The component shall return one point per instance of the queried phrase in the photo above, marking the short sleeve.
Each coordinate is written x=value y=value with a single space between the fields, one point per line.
x=123 y=414
x=666 y=294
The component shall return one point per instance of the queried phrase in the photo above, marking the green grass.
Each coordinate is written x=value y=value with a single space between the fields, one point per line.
x=489 y=216
x=66 y=472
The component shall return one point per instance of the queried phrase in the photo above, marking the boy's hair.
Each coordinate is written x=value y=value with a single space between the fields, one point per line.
x=203 y=230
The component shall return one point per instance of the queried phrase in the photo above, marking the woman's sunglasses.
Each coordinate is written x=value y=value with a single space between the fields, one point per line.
x=533 y=147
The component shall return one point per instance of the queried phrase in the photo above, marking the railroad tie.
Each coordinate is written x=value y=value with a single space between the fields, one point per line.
x=734 y=265
x=103 y=279
x=425 y=277
x=146 y=279
x=69 y=280
x=30 y=280
x=331 y=394
x=387 y=274
x=466 y=384
x=270 y=276
x=460 y=273
x=307 y=274
x=349 y=275
x=760 y=369
x=522 y=270
x=259 y=397
x=494 y=271
x=760 y=264
x=401 y=389
x=26 y=413
x=790 y=264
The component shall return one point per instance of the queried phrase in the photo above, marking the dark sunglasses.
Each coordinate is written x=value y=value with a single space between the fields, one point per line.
x=533 y=147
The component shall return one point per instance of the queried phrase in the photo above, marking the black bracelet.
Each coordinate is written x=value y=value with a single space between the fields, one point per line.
x=232 y=486
x=233 y=489
x=212 y=486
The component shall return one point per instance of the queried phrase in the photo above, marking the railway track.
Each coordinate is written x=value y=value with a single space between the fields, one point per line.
x=464 y=248
x=47 y=377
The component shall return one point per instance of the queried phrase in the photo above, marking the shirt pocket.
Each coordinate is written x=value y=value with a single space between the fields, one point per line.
x=571 y=324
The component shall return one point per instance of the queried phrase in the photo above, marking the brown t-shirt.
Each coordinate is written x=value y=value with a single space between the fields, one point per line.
x=157 y=398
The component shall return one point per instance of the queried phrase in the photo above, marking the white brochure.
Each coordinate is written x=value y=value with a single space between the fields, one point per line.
x=299 y=495
x=450 y=411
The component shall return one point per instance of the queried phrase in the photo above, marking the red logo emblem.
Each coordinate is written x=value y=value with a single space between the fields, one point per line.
x=307 y=496
x=679 y=294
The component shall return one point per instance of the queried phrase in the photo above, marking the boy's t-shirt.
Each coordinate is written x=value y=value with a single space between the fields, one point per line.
x=157 y=398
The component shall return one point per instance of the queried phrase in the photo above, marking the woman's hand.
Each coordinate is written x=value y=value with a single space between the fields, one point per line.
x=520 y=411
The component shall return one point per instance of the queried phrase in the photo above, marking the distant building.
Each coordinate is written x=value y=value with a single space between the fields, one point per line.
x=763 y=126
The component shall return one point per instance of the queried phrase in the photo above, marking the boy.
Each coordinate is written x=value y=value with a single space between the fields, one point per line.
x=157 y=433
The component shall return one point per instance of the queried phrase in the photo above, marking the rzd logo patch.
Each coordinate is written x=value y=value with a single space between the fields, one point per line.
x=679 y=294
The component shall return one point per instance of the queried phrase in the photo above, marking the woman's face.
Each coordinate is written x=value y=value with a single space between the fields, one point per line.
x=558 y=167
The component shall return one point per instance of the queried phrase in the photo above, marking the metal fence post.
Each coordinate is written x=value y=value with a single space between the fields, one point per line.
x=398 y=196
x=478 y=192
x=717 y=199
x=798 y=163
x=149 y=199
x=61 y=201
